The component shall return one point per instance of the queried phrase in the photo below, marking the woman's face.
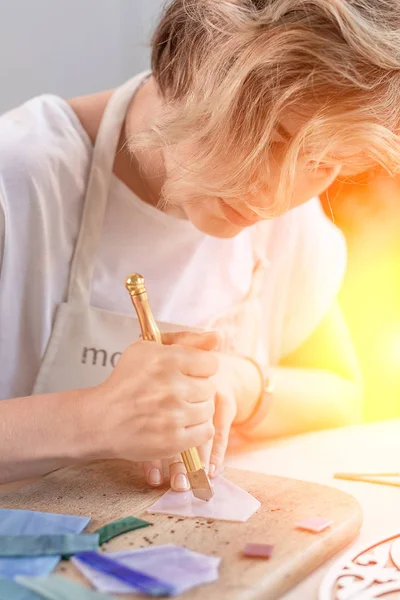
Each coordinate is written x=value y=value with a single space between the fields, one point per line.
x=214 y=216
x=226 y=218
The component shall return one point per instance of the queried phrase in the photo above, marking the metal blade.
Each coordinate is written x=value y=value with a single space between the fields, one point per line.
x=201 y=485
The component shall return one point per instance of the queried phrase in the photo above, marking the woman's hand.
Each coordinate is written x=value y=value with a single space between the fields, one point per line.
x=159 y=400
x=238 y=387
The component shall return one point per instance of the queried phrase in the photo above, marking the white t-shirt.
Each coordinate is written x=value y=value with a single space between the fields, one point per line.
x=45 y=157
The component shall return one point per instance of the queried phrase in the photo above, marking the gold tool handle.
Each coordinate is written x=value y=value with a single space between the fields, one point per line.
x=140 y=301
x=150 y=332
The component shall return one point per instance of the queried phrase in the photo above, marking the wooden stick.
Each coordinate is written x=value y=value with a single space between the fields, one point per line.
x=378 y=478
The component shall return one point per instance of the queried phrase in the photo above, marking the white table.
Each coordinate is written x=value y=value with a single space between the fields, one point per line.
x=373 y=448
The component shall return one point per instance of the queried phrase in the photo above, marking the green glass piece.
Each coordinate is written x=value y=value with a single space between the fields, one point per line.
x=116 y=528
x=65 y=544
x=57 y=587
x=10 y=590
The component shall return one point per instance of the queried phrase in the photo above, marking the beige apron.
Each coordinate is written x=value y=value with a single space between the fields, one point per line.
x=86 y=342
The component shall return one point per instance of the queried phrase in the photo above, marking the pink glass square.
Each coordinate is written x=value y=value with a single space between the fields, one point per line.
x=314 y=524
x=258 y=550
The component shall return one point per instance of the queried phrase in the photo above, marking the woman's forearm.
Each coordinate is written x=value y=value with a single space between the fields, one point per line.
x=306 y=400
x=39 y=434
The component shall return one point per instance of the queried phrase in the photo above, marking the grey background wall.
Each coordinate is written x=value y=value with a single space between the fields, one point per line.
x=71 y=47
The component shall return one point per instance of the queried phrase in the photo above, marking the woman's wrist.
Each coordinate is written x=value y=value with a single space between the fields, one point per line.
x=90 y=434
x=263 y=404
x=248 y=387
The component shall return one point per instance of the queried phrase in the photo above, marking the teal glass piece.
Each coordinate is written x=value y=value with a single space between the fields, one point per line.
x=10 y=590
x=116 y=528
x=48 y=544
x=57 y=587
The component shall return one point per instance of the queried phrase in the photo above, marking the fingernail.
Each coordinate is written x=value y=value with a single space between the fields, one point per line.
x=155 y=477
x=181 y=482
x=211 y=470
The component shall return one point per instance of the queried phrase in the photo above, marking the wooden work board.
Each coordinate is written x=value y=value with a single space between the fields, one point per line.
x=109 y=490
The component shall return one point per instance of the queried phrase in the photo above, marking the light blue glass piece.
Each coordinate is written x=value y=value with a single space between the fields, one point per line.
x=29 y=522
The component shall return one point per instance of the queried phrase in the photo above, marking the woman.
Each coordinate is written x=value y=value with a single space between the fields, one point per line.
x=251 y=109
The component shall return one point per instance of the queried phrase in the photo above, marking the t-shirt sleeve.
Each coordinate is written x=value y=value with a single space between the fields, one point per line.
x=306 y=274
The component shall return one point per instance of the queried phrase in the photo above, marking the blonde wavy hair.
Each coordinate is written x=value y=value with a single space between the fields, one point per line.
x=228 y=70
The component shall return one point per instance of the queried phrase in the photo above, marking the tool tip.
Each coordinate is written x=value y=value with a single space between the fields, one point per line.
x=200 y=484
x=204 y=494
